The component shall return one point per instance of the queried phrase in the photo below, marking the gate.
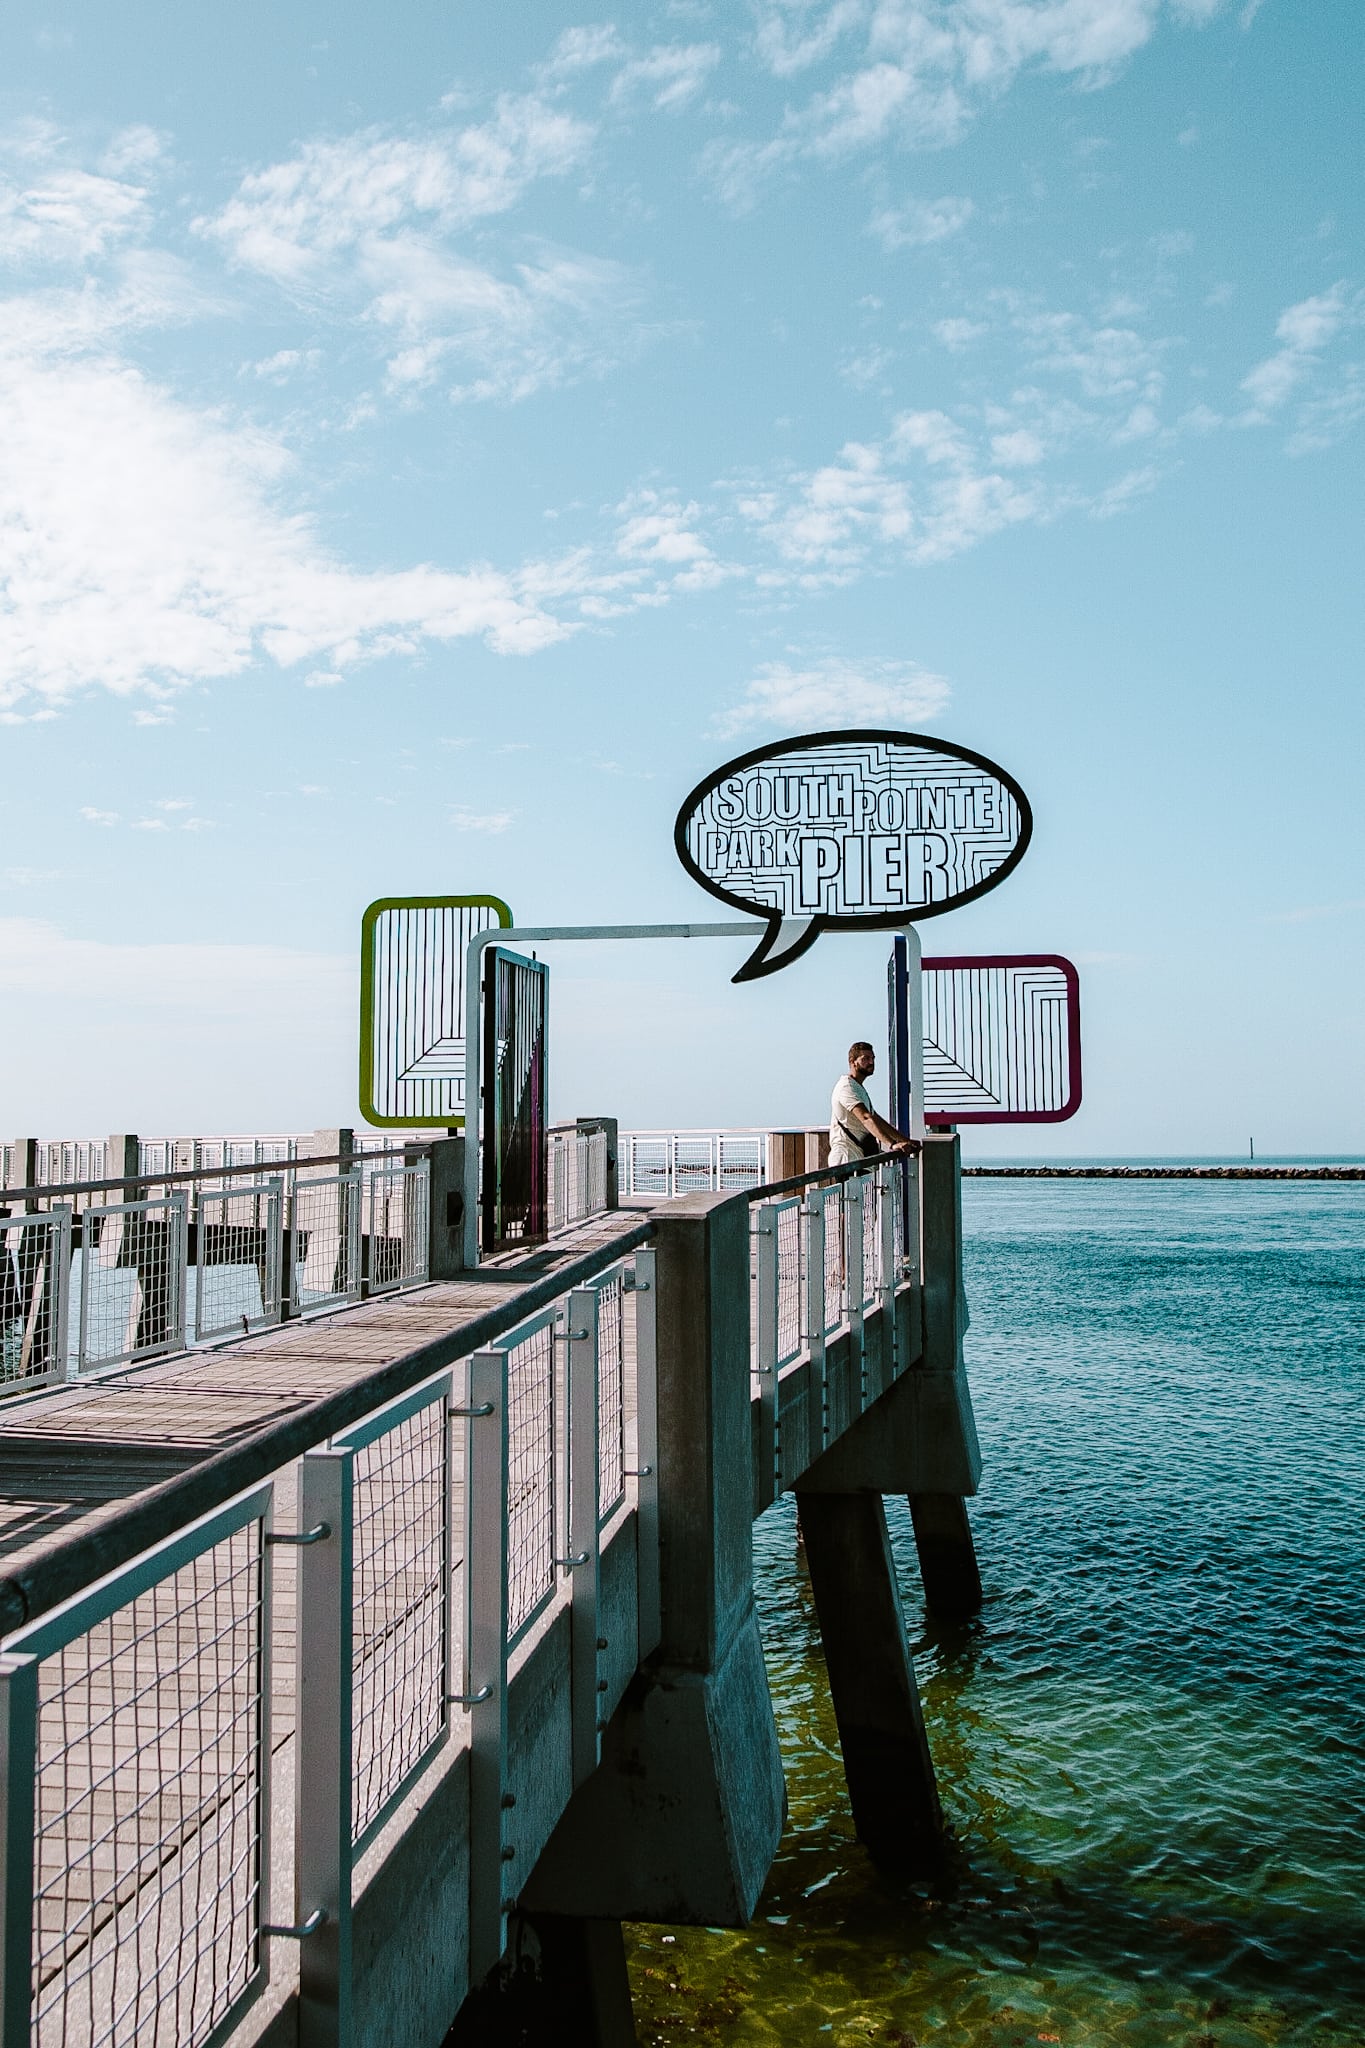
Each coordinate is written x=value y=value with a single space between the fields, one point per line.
x=515 y=1141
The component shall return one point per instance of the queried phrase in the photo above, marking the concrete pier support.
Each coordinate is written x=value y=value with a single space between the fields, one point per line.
x=943 y=1534
x=562 y=1984
x=890 y=1773
x=947 y=1555
x=682 y=1818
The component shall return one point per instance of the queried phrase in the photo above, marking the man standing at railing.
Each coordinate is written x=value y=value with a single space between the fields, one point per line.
x=855 y=1129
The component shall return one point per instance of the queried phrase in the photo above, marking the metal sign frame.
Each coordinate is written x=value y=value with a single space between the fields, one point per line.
x=940 y=1119
x=450 y=999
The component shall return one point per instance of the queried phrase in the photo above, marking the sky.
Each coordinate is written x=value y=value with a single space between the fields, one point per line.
x=435 y=439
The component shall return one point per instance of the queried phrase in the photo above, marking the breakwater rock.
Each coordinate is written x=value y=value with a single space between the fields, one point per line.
x=1164 y=1172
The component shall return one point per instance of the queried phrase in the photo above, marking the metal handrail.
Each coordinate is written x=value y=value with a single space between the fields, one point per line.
x=152 y=1179
x=825 y=1175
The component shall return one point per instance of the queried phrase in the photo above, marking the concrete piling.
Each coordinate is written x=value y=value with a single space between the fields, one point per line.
x=890 y=1773
x=947 y=1555
x=562 y=1981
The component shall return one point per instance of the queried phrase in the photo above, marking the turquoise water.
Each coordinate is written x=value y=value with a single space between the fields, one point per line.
x=1149 y=1745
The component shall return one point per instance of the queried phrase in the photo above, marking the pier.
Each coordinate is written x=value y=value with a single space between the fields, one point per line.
x=368 y=1667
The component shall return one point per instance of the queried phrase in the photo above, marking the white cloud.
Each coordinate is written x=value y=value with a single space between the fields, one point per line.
x=581 y=49
x=663 y=533
x=925 y=492
x=1324 y=420
x=1303 y=331
x=959 y=333
x=293 y=218
x=864 y=367
x=1109 y=362
x=280 y=367
x=917 y=71
x=669 y=77
x=834 y=692
x=144 y=546
x=371 y=225
x=94 y=817
x=466 y=820
x=920 y=222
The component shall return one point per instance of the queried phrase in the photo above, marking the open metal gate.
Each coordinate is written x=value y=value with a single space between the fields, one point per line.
x=515 y=1145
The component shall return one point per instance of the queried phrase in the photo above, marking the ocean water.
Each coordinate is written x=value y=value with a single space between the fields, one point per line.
x=1150 y=1743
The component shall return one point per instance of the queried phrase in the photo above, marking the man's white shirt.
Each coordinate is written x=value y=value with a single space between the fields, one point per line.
x=843 y=1132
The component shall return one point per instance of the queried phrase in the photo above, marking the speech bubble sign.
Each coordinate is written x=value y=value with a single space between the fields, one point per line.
x=853 y=831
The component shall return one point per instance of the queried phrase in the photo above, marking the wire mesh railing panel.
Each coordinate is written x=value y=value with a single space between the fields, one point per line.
x=790 y=1279
x=577 y=1179
x=35 y=1259
x=324 y=1223
x=873 y=1193
x=597 y=1173
x=148 y=1848
x=611 y=1406
x=740 y=1161
x=649 y=1163
x=667 y=1163
x=694 y=1163
x=132 y=1280
x=396 y=1204
x=401 y=1515
x=237 y=1259
x=530 y=1474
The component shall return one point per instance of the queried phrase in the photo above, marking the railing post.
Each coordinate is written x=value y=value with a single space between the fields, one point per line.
x=888 y=1217
x=485 y=1677
x=353 y=1198
x=765 y=1352
x=178 y=1266
x=583 y=1561
x=853 y=1280
x=18 y=1771
x=323 y=1747
x=813 y=1210
x=647 y=1452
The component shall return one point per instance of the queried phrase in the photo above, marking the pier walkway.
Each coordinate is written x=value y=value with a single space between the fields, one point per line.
x=337 y=1657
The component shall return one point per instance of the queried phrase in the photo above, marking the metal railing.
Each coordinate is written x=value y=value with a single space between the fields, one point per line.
x=137 y=1807
x=106 y=1273
x=445 y=1522
x=663 y=1164
x=59 y=1161
x=578 y=1167
x=822 y=1259
x=434 y=1533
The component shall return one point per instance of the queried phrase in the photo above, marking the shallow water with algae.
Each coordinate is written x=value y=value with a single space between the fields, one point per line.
x=1150 y=1743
